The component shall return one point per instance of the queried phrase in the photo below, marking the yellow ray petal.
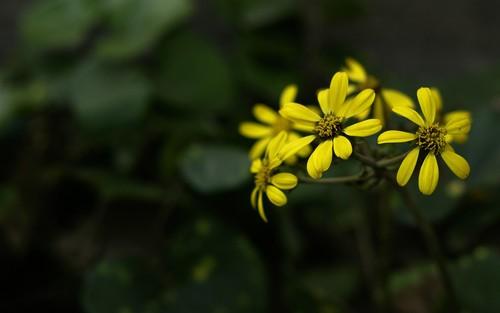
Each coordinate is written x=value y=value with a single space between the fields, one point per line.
x=258 y=148
x=379 y=110
x=438 y=101
x=299 y=113
x=456 y=163
x=256 y=166
x=288 y=94
x=355 y=70
x=407 y=166
x=395 y=98
x=276 y=196
x=458 y=124
x=265 y=114
x=361 y=102
x=429 y=175
x=395 y=136
x=364 y=128
x=254 y=130
x=410 y=114
x=305 y=151
x=342 y=147
x=294 y=146
x=260 y=206
x=427 y=105
x=338 y=91
x=284 y=181
x=253 y=197
x=323 y=101
x=276 y=144
x=321 y=159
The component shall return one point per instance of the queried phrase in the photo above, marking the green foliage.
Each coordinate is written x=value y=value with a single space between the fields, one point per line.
x=211 y=168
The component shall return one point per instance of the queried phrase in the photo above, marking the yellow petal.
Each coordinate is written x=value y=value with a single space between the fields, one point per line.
x=363 y=115
x=410 y=114
x=355 y=70
x=276 y=196
x=395 y=98
x=305 y=151
x=256 y=166
x=364 y=128
x=294 y=146
x=342 y=147
x=298 y=112
x=338 y=91
x=258 y=148
x=361 y=102
x=458 y=124
x=427 y=105
x=395 y=136
x=323 y=101
x=276 y=144
x=456 y=163
x=253 y=197
x=456 y=114
x=320 y=160
x=379 y=110
x=284 y=181
x=260 y=206
x=265 y=114
x=438 y=101
x=407 y=166
x=307 y=127
x=288 y=94
x=254 y=130
x=429 y=175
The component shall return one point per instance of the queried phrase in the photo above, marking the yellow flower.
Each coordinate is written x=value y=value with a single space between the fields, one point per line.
x=329 y=127
x=272 y=125
x=386 y=98
x=460 y=114
x=431 y=140
x=266 y=180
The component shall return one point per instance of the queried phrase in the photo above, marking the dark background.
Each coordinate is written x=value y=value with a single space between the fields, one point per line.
x=124 y=185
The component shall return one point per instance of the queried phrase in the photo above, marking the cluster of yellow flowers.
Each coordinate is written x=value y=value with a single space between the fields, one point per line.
x=353 y=106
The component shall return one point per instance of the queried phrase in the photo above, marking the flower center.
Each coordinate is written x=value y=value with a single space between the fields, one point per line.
x=280 y=124
x=431 y=138
x=263 y=176
x=329 y=126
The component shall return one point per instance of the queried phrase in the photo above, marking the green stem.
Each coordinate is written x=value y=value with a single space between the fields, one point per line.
x=432 y=243
x=335 y=180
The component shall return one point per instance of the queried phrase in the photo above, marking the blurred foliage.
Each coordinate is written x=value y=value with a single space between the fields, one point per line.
x=125 y=186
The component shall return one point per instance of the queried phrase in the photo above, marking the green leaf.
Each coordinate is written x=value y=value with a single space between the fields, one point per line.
x=205 y=268
x=216 y=270
x=477 y=281
x=135 y=25
x=211 y=168
x=55 y=24
x=106 y=98
x=195 y=76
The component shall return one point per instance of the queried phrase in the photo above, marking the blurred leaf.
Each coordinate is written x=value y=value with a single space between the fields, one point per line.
x=410 y=277
x=481 y=154
x=337 y=283
x=122 y=286
x=211 y=168
x=5 y=104
x=217 y=271
x=135 y=25
x=477 y=281
x=113 y=186
x=201 y=272
x=54 y=24
x=106 y=98
x=195 y=76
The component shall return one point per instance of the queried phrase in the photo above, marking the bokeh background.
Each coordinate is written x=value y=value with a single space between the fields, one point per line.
x=124 y=185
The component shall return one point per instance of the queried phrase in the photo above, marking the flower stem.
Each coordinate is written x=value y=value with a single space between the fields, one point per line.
x=432 y=243
x=335 y=180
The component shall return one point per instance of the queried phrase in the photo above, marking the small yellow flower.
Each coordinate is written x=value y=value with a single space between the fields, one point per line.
x=266 y=180
x=460 y=138
x=361 y=80
x=431 y=140
x=272 y=125
x=329 y=127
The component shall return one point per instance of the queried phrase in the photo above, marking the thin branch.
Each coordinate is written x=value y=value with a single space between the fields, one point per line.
x=432 y=242
x=335 y=180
